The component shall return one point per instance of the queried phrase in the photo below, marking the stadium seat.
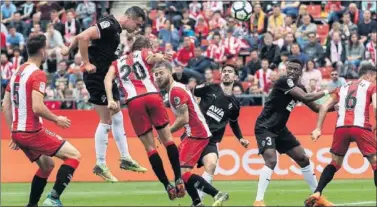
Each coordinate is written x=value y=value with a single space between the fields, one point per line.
x=326 y=72
x=246 y=85
x=216 y=75
x=322 y=32
x=315 y=11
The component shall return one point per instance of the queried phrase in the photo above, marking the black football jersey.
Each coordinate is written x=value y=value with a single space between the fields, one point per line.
x=217 y=108
x=278 y=106
x=105 y=49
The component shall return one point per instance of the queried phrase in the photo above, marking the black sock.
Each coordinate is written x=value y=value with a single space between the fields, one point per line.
x=193 y=193
x=158 y=168
x=174 y=160
x=327 y=175
x=63 y=178
x=202 y=185
x=37 y=186
x=375 y=178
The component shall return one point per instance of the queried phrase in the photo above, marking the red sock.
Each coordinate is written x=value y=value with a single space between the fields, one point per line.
x=186 y=176
x=337 y=167
x=71 y=162
x=152 y=152
x=43 y=174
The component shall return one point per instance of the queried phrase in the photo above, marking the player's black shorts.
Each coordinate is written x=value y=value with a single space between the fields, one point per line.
x=95 y=85
x=282 y=141
x=211 y=147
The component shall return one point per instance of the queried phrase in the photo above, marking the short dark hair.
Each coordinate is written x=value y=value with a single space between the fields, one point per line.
x=35 y=43
x=140 y=43
x=135 y=12
x=284 y=53
x=163 y=64
x=367 y=68
x=297 y=61
x=231 y=66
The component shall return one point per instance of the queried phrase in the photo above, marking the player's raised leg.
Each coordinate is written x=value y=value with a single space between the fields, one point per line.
x=101 y=139
x=71 y=157
x=156 y=163
x=46 y=165
x=209 y=162
x=299 y=156
x=117 y=126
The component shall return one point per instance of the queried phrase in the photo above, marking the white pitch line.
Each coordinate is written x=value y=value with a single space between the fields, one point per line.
x=356 y=203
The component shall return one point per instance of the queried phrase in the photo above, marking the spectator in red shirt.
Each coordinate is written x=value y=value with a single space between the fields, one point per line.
x=186 y=52
x=216 y=50
x=263 y=75
x=202 y=27
x=3 y=41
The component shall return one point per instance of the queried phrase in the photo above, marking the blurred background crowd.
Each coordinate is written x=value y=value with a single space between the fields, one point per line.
x=332 y=38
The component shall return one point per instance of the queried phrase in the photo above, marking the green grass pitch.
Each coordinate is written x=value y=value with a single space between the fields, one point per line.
x=242 y=193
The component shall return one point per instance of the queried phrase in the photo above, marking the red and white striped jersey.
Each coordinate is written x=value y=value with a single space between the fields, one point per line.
x=217 y=52
x=263 y=77
x=354 y=100
x=26 y=79
x=232 y=44
x=197 y=126
x=6 y=70
x=134 y=74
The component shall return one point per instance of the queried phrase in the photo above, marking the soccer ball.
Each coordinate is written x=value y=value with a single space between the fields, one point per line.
x=241 y=10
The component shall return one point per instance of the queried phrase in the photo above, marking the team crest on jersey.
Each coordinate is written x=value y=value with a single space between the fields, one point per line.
x=177 y=100
x=42 y=87
x=103 y=98
x=290 y=83
x=104 y=24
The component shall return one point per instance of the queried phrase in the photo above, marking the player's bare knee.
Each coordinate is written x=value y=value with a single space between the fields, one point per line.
x=210 y=167
x=47 y=166
x=185 y=170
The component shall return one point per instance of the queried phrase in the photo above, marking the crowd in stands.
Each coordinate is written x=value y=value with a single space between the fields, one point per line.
x=332 y=38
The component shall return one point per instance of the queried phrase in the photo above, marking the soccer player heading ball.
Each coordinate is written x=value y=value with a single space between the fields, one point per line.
x=104 y=40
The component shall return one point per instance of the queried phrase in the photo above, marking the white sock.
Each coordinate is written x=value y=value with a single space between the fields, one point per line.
x=120 y=135
x=264 y=180
x=309 y=176
x=101 y=139
x=208 y=177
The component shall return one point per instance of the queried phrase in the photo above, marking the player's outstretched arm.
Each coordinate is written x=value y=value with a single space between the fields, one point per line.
x=182 y=118
x=110 y=76
x=304 y=97
x=7 y=109
x=321 y=117
x=157 y=57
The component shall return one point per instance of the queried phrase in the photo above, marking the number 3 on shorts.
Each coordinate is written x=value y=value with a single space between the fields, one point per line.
x=269 y=142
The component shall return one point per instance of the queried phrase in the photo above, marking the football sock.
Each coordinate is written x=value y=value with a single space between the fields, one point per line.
x=173 y=155
x=120 y=135
x=193 y=193
x=199 y=183
x=327 y=175
x=207 y=177
x=158 y=167
x=264 y=180
x=37 y=186
x=101 y=139
x=374 y=167
x=64 y=176
x=309 y=176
